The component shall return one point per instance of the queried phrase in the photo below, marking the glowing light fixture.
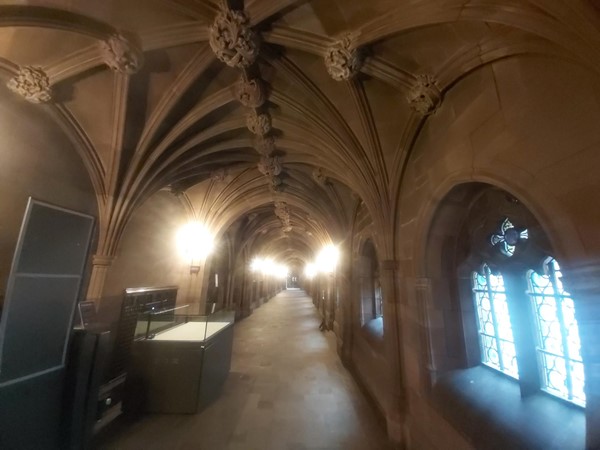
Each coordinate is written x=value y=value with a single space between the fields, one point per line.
x=269 y=267
x=327 y=259
x=195 y=242
x=310 y=270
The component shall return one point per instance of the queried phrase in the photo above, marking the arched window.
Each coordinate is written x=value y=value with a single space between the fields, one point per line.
x=496 y=339
x=548 y=329
x=558 y=345
x=501 y=329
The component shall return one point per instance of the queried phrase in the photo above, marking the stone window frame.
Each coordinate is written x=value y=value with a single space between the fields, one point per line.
x=480 y=402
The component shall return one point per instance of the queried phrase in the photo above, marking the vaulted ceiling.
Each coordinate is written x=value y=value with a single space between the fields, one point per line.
x=275 y=117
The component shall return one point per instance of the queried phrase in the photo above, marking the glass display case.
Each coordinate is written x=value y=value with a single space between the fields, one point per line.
x=179 y=360
x=177 y=324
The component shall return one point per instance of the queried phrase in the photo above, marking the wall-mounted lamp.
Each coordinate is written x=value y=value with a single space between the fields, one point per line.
x=195 y=243
x=327 y=259
x=310 y=270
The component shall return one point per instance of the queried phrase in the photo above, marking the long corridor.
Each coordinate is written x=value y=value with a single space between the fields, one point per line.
x=287 y=390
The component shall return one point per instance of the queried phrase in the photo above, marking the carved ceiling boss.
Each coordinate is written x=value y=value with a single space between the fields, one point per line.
x=232 y=40
x=32 y=84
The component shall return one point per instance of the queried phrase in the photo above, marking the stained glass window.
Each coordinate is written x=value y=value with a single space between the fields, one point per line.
x=558 y=345
x=493 y=320
x=508 y=237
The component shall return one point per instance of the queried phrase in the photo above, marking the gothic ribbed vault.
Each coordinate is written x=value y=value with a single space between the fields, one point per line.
x=315 y=104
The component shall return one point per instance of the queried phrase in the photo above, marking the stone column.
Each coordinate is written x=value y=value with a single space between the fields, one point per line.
x=331 y=297
x=344 y=312
x=100 y=266
x=583 y=283
x=391 y=330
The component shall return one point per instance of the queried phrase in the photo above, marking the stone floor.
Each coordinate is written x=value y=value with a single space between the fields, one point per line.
x=287 y=390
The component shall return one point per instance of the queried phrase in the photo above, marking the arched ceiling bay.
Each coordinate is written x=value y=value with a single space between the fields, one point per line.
x=319 y=112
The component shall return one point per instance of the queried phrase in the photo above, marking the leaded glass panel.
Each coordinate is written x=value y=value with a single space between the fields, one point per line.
x=493 y=319
x=558 y=344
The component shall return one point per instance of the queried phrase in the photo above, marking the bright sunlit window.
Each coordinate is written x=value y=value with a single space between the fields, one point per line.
x=494 y=327
x=558 y=345
x=553 y=328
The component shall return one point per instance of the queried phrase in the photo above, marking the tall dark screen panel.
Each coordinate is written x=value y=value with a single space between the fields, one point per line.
x=42 y=291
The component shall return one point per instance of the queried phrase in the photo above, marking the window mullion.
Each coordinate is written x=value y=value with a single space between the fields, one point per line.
x=491 y=295
x=522 y=323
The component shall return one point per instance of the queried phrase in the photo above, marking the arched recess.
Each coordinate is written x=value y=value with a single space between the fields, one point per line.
x=478 y=227
x=371 y=300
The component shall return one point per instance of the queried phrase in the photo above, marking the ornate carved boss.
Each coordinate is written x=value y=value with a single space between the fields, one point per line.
x=319 y=176
x=250 y=93
x=283 y=213
x=343 y=59
x=269 y=166
x=232 y=40
x=32 y=84
x=265 y=145
x=259 y=124
x=424 y=97
x=275 y=184
x=122 y=53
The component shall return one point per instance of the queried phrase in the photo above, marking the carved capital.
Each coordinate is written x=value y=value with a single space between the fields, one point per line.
x=343 y=59
x=102 y=260
x=32 y=84
x=250 y=93
x=269 y=166
x=122 y=53
x=265 y=145
x=232 y=40
x=259 y=124
x=424 y=97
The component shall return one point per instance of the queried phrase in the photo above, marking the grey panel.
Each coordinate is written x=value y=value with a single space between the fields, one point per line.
x=42 y=290
x=55 y=241
x=37 y=326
